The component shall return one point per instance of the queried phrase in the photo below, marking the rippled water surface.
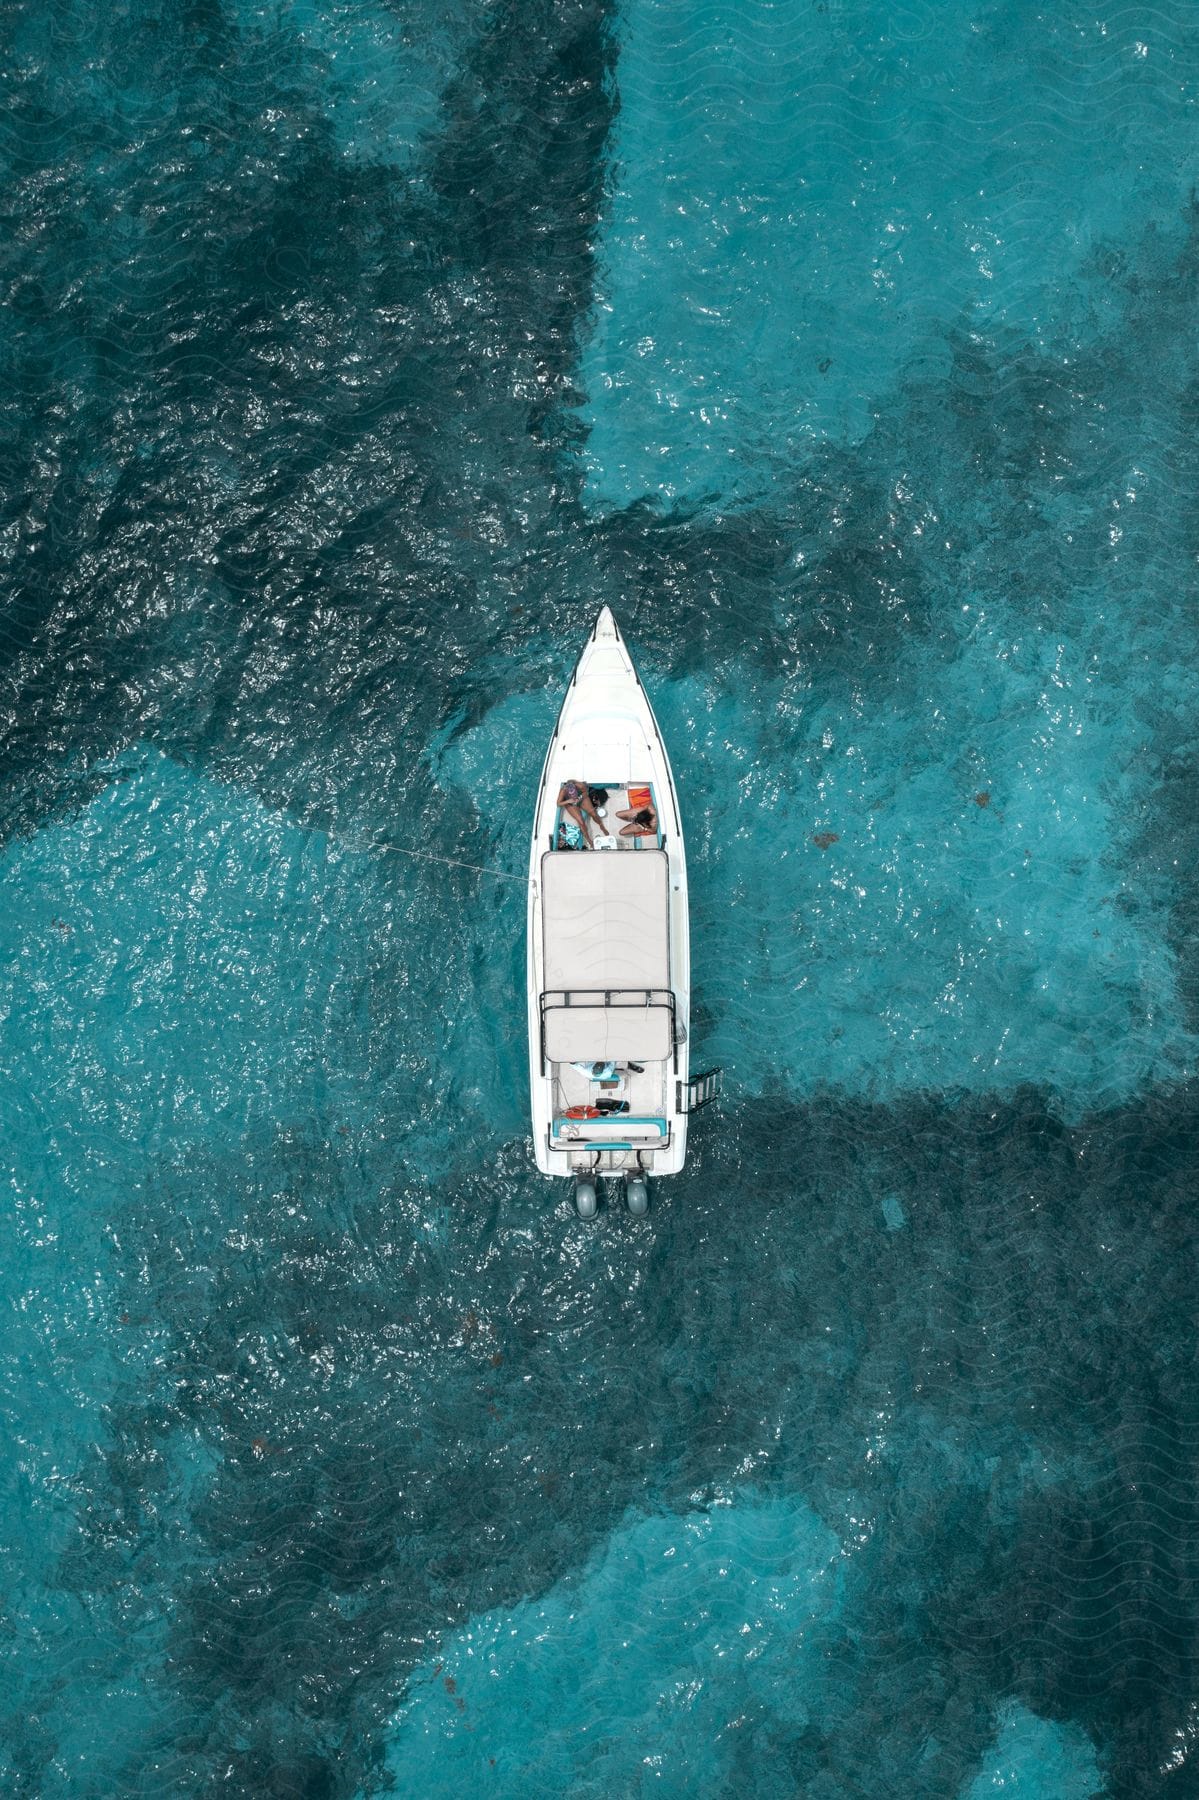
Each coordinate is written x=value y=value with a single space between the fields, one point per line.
x=352 y=357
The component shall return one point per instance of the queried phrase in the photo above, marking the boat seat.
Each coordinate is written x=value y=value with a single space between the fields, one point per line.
x=610 y=1126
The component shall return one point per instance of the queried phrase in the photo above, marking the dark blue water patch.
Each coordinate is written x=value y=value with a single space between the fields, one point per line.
x=816 y=590
x=351 y=1410
x=1165 y=849
x=519 y=170
x=280 y=420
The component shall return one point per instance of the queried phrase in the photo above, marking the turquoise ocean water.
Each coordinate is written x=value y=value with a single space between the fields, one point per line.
x=352 y=357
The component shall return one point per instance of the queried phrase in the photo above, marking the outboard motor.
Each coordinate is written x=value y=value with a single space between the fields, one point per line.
x=586 y=1199
x=636 y=1195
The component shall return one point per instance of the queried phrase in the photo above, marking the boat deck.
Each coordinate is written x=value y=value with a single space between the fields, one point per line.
x=617 y=802
x=645 y=1089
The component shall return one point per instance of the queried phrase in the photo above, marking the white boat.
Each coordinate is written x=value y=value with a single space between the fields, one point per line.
x=608 y=948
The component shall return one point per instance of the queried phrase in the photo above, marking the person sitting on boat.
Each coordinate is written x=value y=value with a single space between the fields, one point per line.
x=642 y=821
x=575 y=802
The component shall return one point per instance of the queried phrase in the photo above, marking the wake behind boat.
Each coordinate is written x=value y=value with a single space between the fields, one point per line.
x=608 y=946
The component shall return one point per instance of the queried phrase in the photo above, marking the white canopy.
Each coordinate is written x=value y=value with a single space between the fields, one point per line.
x=607 y=1033
x=605 y=921
x=605 y=929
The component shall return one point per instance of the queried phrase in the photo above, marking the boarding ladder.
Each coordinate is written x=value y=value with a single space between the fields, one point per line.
x=691 y=1095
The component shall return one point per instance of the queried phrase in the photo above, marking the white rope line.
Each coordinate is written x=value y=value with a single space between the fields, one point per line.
x=454 y=862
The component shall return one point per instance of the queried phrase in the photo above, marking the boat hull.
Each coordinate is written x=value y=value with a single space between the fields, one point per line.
x=608 y=942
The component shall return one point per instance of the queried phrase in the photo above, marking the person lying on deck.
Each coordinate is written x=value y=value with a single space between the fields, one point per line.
x=643 y=822
x=575 y=802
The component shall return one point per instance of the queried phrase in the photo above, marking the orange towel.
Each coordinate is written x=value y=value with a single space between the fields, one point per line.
x=640 y=797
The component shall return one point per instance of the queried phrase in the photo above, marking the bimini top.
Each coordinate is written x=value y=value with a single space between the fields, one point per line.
x=604 y=919
x=606 y=954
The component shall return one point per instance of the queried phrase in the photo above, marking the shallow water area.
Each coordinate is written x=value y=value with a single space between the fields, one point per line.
x=808 y=199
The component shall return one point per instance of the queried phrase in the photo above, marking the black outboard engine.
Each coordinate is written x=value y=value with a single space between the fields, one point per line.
x=636 y=1195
